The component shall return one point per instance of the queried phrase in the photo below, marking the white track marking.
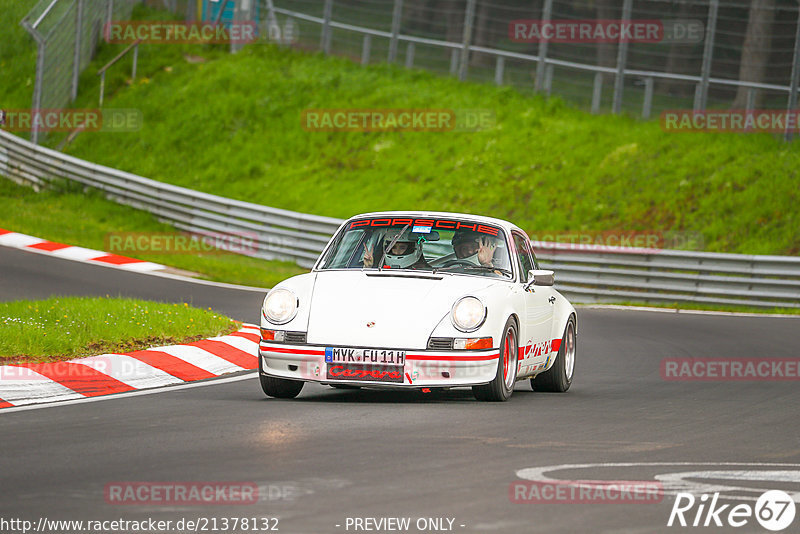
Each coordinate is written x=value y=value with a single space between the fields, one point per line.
x=166 y=389
x=675 y=483
x=20 y=241
x=20 y=386
x=202 y=359
x=128 y=370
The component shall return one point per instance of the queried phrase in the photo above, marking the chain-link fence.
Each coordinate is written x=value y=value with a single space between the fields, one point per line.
x=705 y=54
x=66 y=33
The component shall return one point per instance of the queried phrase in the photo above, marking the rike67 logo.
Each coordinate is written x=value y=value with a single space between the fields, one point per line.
x=774 y=510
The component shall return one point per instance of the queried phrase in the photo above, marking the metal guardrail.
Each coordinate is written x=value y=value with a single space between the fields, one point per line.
x=586 y=273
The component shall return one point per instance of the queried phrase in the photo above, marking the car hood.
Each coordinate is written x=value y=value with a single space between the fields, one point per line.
x=402 y=310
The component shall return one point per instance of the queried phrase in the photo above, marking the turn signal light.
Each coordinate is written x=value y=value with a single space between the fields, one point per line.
x=272 y=335
x=473 y=343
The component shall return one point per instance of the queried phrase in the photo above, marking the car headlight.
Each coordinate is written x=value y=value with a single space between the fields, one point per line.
x=468 y=314
x=280 y=306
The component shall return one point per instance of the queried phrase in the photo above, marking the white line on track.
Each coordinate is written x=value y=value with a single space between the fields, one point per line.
x=165 y=389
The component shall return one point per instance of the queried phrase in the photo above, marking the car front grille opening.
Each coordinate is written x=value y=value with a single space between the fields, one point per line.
x=295 y=337
x=440 y=343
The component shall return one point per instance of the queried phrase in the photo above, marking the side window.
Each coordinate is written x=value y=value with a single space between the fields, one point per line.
x=524 y=256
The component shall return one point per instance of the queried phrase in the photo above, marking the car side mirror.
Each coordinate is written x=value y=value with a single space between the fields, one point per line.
x=540 y=277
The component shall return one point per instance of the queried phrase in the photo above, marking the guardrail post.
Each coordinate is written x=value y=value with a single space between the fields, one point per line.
x=548 y=79
x=397 y=13
x=498 y=70
x=37 y=91
x=795 y=81
x=547 y=12
x=750 y=103
x=701 y=95
x=102 y=87
x=365 y=49
x=76 y=63
x=135 y=62
x=410 y=55
x=597 y=92
x=469 y=18
x=647 y=106
x=325 y=38
x=622 y=59
x=453 y=61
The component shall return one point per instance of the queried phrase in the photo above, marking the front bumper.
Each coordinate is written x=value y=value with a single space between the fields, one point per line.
x=425 y=368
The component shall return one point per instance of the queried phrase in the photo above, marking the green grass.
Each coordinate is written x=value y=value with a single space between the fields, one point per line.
x=62 y=328
x=17 y=56
x=91 y=217
x=231 y=126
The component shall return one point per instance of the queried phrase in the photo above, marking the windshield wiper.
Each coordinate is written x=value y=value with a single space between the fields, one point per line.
x=491 y=269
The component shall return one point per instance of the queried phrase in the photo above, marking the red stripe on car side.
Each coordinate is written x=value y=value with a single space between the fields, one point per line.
x=255 y=338
x=170 y=364
x=4 y=404
x=79 y=378
x=227 y=352
x=480 y=357
x=49 y=246
x=306 y=352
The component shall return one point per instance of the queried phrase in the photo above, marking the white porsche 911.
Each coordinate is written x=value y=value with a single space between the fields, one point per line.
x=420 y=300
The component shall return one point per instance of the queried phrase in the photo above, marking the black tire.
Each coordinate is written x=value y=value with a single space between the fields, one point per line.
x=558 y=378
x=501 y=388
x=280 y=388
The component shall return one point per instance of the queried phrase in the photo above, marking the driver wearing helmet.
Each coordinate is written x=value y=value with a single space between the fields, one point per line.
x=474 y=247
x=406 y=252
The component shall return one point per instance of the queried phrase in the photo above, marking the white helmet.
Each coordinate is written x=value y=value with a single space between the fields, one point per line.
x=412 y=254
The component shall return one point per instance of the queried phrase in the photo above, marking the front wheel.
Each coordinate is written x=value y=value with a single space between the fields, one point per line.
x=559 y=377
x=280 y=388
x=501 y=388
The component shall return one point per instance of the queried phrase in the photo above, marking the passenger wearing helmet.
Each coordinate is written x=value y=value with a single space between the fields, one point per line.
x=405 y=253
x=474 y=247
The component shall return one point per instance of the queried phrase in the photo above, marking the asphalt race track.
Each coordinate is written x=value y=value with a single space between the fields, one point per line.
x=331 y=454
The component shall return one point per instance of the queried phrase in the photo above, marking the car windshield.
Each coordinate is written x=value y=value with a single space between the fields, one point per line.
x=430 y=244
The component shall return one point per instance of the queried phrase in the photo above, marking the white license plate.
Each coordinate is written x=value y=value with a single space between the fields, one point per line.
x=369 y=356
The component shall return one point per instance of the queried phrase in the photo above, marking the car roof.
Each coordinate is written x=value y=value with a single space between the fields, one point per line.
x=440 y=214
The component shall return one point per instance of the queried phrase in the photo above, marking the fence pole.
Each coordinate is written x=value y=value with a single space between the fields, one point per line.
x=397 y=13
x=498 y=70
x=548 y=79
x=469 y=17
x=135 y=62
x=365 y=49
x=597 y=92
x=622 y=59
x=701 y=96
x=647 y=106
x=325 y=38
x=38 y=88
x=547 y=12
x=453 y=61
x=410 y=55
x=76 y=63
x=795 y=81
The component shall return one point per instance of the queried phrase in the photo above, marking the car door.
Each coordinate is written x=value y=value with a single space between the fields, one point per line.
x=535 y=332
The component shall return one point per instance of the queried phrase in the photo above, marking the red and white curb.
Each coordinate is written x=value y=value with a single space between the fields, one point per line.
x=34 y=383
x=35 y=244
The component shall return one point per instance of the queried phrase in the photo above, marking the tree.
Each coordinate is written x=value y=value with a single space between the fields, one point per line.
x=756 y=47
